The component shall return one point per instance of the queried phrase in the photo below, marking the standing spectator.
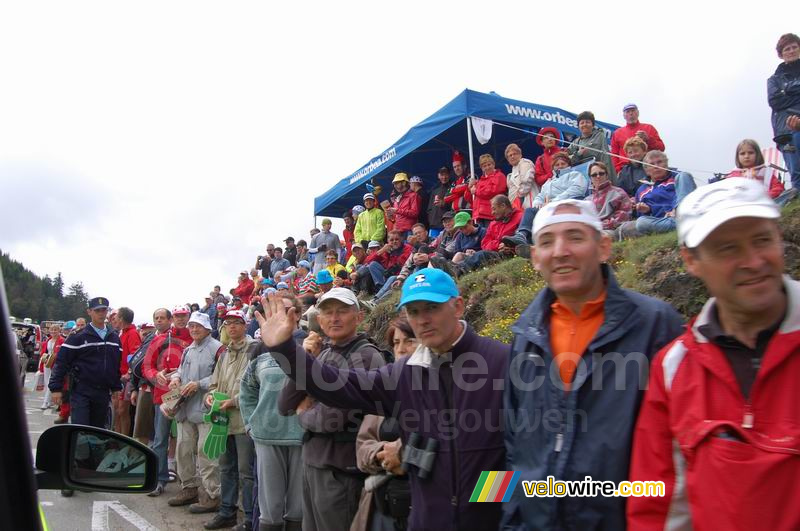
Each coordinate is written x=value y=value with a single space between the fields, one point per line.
x=263 y=262
x=522 y=187
x=418 y=187
x=384 y=263
x=245 y=287
x=491 y=183
x=583 y=318
x=219 y=297
x=129 y=341
x=210 y=309
x=331 y=480
x=290 y=253
x=590 y=144
x=80 y=324
x=718 y=424
x=348 y=234
x=370 y=223
x=142 y=394
x=322 y=242
x=547 y=138
x=437 y=206
x=236 y=464
x=632 y=174
x=459 y=196
x=278 y=441
x=180 y=319
x=193 y=378
x=405 y=207
x=51 y=347
x=613 y=205
x=279 y=263
x=633 y=127
x=783 y=94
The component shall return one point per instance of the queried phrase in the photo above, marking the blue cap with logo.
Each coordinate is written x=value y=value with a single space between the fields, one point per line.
x=98 y=303
x=428 y=284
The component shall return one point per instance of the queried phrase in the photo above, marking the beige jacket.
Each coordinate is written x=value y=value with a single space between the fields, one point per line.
x=227 y=377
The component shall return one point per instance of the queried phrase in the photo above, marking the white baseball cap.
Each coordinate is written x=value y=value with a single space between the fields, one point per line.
x=340 y=294
x=708 y=207
x=547 y=215
x=201 y=319
x=234 y=314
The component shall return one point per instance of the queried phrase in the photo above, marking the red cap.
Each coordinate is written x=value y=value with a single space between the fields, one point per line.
x=544 y=130
x=458 y=157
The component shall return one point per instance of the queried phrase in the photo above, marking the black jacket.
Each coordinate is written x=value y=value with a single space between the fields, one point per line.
x=435 y=212
x=783 y=93
x=92 y=363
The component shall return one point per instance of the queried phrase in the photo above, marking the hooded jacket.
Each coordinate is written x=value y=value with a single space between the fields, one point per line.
x=421 y=391
x=407 y=210
x=370 y=226
x=783 y=93
x=727 y=462
x=586 y=431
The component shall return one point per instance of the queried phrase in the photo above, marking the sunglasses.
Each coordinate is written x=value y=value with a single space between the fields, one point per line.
x=598 y=174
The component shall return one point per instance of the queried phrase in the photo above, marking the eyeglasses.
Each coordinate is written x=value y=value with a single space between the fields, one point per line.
x=598 y=174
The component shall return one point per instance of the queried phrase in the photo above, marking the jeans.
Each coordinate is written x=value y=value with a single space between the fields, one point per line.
x=792 y=160
x=479 y=259
x=235 y=469
x=526 y=223
x=377 y=272
x=653 y=225
x=386 y=289
x=161 y=443
x=684 y=185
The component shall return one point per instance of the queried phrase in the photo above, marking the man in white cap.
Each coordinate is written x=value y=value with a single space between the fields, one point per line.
x=370 y=224
x=332 y=482
x=580 y=357
x=720 y=423
x=193 y=378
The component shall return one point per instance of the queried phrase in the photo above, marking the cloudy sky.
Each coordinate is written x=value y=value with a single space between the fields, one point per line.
x=152 y=149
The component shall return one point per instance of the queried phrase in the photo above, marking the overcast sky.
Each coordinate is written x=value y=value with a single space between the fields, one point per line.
x=152 y=149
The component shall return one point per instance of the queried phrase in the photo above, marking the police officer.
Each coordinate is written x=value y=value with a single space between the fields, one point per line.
x=91 y=358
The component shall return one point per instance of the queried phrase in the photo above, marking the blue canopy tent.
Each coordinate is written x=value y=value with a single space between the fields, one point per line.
x=429 y=145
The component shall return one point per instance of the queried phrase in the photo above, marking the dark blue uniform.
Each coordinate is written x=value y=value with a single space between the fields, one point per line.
x=92 y=364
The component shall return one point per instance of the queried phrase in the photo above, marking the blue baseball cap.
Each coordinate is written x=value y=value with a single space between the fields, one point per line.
x=69 y=325
x=428 y=284
x=324 y=277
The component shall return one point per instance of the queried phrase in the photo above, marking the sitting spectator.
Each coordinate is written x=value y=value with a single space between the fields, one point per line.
x=543 y=169
x=505 y=223
x=405 y=207
x=418 y=236
x=438 y=206
x=370 y=223
x=356 y=258
x=290 y=253
x=304 y=282
x=491 y=183
x=419 y=259
x=331 y=263
x=282 y=288
x=418 y=187
x=564 y=185
x=373 y=247
x=444 y=243
x=632 y=174
x=656 y=202
x=522 y=187
x=381 y=265
x=613 y=205
x=245 y=288
x=783 y=95
x=324 y=282
x=323 y=242
x=633 y=127
x=459 y=196
x=750 y=165
x=469 y=238
x=591 y=144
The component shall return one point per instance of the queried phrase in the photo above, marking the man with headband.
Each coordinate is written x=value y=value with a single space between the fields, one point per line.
x=578 y=368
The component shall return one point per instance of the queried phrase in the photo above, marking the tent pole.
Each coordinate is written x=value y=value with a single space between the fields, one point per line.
x=469 y=143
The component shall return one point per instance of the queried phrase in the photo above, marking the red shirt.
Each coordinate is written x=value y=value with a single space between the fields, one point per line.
x=130 y=341
x=499 y=229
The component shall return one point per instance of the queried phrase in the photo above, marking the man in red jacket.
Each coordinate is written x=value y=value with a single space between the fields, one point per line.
x=633 y=127
x=505 y=223
x=129 y=340
x=720 y=422
x=382 y=264
x=491 y=183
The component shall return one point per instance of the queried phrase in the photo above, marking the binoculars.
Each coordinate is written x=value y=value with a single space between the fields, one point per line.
x=420 y=453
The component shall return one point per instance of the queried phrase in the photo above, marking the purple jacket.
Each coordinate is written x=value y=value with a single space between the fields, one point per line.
x=415 y=390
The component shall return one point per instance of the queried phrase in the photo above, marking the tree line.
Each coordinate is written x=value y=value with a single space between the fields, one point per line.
x=41 y=298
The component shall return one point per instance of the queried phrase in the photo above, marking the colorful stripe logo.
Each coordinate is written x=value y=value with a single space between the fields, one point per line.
x=495 y=486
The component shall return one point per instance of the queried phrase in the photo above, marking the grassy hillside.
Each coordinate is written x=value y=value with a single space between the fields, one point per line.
x=497 y=294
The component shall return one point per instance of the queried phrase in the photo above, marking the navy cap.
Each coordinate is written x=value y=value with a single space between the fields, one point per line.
x=98 y=303
x=428 y=284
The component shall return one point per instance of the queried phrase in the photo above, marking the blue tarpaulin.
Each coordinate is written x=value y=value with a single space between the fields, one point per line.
x=429 y=145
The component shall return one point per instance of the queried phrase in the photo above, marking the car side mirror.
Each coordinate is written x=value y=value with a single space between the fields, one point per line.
x=86 y=458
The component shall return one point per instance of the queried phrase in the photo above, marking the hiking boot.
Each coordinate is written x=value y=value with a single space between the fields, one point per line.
x=523 y=250
x=184 y=497
x=205 y=504
x=514 y=240
x=158 y=491
x=220 y=522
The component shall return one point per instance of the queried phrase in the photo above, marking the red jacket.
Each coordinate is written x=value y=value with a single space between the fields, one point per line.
x=543 y=167
x=774 y=186
x=497 y=230
x=624 y=133
x=460 y=198
x=392 y=261
x=164 y=352
x=244 y=290
x=129 y=340
x=727 y=462
x=488 y=186
x=406 y=210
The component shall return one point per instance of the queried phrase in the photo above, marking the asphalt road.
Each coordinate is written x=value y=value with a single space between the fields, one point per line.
x=100 y=511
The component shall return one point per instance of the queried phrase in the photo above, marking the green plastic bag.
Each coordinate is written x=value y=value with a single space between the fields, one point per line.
x=214 y=445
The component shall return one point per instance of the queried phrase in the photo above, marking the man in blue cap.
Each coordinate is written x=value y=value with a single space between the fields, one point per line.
x=447 y=397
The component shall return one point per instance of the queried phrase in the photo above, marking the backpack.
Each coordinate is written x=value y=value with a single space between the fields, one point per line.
x=137 y=361
x=388 y=356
